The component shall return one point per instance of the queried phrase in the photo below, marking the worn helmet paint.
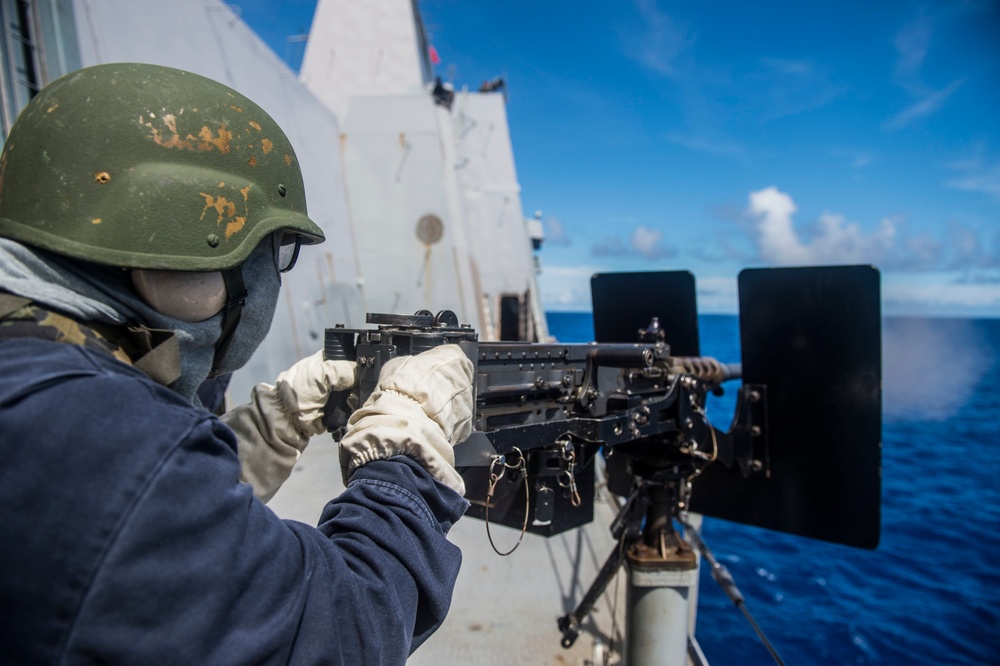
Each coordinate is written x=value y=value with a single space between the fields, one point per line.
x=145 y=166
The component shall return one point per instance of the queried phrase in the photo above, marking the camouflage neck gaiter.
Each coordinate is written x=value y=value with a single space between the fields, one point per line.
x=103 y=294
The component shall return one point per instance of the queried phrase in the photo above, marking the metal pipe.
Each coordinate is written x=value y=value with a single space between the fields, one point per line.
x=662 y=569
x=657 y=616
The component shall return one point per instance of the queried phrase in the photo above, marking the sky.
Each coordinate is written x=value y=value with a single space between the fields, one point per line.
x=710 y=137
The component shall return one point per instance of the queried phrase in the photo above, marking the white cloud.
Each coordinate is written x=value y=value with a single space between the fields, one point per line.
x=717 y=295
x=977 y=177
x=612 y=246
x=834 y=240
x=838 y=240
x=702 y=144
x=943 y=295
x=566 y=288
x=555 y=232
x=912 y=44
x=926 y=105
x=912 y=47
x=648 y=243
x=777 y=240
x=790 y=66
x=660 y=40
x=859 y=159
x=781 y=87
x=643 y=242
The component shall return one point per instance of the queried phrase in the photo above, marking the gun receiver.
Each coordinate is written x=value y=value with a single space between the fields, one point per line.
x=556 y=405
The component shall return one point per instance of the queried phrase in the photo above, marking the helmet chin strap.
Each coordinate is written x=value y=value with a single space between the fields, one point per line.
x=235 y=300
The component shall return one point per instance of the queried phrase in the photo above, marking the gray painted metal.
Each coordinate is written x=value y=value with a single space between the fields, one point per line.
x=657 y=617
x=398 y=171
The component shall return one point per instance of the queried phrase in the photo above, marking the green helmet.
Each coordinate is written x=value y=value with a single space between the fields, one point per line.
x=144 y=166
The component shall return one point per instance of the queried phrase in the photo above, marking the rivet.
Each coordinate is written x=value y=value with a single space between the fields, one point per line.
x=281 y=190
x=213 y=240
x=102 y=177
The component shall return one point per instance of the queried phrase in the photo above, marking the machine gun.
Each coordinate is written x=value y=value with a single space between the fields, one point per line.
x=801 y=455
x=546 y=409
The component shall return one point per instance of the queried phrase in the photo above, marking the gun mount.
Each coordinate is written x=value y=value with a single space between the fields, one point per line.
x=802 y=453
x=557 y=405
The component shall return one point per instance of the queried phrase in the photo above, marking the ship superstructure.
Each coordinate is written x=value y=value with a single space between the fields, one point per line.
x=413 y=183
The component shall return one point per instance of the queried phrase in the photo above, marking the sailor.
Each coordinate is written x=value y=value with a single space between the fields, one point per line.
x=146 y=215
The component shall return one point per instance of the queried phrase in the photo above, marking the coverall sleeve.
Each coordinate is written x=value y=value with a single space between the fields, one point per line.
x=201 y=572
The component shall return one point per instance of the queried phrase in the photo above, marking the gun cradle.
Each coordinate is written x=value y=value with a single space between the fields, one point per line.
x=803 y=452
x=557 y=405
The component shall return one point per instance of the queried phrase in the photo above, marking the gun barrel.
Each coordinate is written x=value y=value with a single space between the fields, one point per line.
x=732 y=371
x=623 y=356
x=707 y=368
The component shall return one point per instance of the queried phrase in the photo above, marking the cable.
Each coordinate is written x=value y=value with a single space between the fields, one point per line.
x=614 y=605
x=760 y=633
x=722 y=576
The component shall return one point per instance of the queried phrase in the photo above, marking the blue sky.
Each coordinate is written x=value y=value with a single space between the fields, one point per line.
x=710 y=137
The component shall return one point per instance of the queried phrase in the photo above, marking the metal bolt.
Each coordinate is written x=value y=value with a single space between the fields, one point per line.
x=102 y=177
x=755 y=431
x=754 y=396
x=282 y=191
x=213 y=240
x=756 y=465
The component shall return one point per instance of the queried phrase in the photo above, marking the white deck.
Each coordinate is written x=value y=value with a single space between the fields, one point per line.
x=504 y=609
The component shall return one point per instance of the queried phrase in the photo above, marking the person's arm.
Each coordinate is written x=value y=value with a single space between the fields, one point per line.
x=422 y=407
x=274 y=428
x=199 y=571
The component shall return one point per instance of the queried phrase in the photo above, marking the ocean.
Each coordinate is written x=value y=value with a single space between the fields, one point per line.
x=929 y=593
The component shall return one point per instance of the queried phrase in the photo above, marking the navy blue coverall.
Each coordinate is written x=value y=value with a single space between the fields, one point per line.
x=126 y=536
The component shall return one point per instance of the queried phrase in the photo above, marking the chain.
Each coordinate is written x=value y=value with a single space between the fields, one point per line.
x=566 y=479
x=500 y=463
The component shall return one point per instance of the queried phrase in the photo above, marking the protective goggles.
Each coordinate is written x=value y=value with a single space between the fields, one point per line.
x=288 y=250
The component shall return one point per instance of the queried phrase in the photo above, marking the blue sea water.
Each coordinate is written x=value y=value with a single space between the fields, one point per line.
x=930 y=593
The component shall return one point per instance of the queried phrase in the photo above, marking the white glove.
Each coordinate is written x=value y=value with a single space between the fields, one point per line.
x=421 y=408
x=275 y=427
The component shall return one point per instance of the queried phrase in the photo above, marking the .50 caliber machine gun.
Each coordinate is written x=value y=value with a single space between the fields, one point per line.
x=801 y=455
x=547 y=408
